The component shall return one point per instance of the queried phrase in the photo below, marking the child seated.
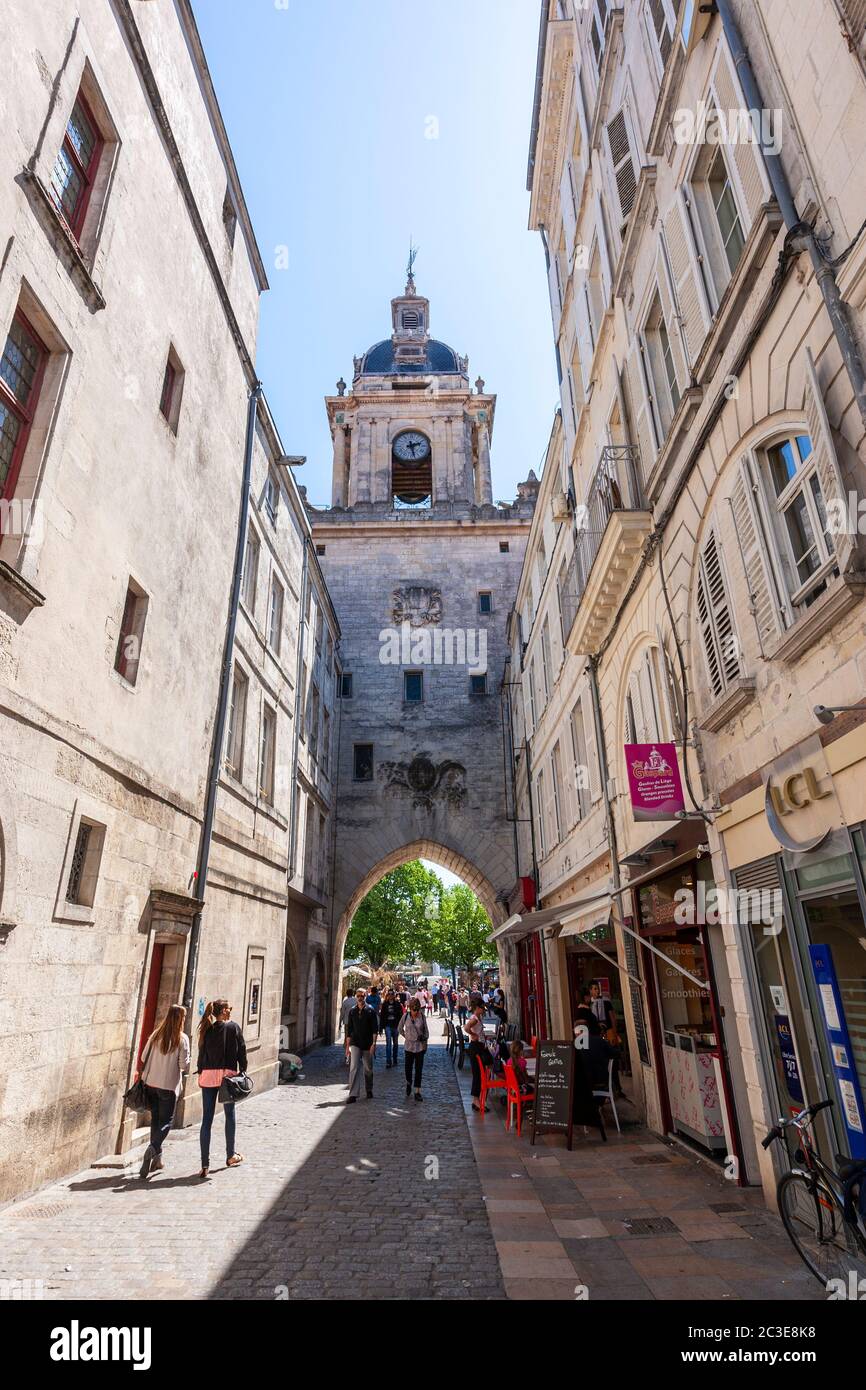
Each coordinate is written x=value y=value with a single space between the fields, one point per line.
x=520 y=1069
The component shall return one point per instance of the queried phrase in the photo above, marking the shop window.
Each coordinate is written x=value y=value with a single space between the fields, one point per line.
x=363 y=762
x=129 y=641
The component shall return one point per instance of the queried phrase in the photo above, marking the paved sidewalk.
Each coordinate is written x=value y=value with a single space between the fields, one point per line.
x=333 y=1201
x=569 y=1224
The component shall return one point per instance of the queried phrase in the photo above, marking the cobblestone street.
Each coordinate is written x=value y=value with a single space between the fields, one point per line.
x=331 y=1202
x=335 y=1202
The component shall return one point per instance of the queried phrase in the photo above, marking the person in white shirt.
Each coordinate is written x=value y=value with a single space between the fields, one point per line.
x=163 y=1061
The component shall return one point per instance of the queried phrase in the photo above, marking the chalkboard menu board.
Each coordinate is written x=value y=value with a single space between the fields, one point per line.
x=633 y=967
x=554 y=1082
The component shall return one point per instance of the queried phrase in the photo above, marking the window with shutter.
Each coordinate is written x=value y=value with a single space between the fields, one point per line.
x=592 y=760
x=540 y=814
x=832 y=487
x=557 y=818
x=685 y=271
x=746 y=158
x=580 y=763
x=721 y=648
x=763 y=599
x=623 y=162
x=854 y=15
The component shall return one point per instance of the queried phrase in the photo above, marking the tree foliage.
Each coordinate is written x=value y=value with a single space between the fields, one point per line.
x=409 y=916
x=461 y=929
x=395 y=920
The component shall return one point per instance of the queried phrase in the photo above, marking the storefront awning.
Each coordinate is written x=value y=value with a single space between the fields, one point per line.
x=523 y=925
x=585 y=918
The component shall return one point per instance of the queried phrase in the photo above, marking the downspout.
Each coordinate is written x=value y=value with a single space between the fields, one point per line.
x=801 y=237
x=218 y=740
x=335 y=793
x=299 y=698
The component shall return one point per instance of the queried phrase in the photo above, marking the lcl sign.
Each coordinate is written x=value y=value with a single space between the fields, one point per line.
x=792 y=784
x=799 y=789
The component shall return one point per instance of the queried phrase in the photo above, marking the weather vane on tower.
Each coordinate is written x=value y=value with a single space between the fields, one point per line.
x=410 y=271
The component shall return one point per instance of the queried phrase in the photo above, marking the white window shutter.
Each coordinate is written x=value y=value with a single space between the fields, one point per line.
x=591 y=747
x=745 y=155
x=641 y=417
x=584 y=336
x=566 y=199
x=623 y=162
x=756 y=561
x=827 y=464
x=686 y=275
x=672 y=324
x=649 y=700
x=607 y=277
x=721 y=649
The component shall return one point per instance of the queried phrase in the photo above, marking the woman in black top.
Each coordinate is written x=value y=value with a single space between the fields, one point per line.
x=389 y=1021
x=221 y=1052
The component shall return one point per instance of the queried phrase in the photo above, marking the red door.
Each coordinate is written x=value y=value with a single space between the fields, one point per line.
x=533 y=1014
x=148 y=1022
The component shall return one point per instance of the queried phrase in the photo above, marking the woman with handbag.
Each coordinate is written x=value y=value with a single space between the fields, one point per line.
x=416 y=1034
x=164 y=1060
x=222 y=1053
x=479 y=1056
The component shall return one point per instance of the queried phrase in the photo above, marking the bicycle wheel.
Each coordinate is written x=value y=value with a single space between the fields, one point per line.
x=818 y=1230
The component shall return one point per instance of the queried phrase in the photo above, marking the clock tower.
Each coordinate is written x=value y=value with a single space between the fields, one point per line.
x=422 y=567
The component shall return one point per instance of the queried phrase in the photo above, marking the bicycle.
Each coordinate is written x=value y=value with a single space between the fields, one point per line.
x=819 y=1206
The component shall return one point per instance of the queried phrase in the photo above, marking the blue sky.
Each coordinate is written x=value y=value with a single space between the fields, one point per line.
x=329 y=105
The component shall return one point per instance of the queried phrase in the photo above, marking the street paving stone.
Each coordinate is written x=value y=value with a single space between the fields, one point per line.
x=391 y=1199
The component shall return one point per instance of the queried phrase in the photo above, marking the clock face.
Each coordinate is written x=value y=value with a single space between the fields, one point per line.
x=411 y=447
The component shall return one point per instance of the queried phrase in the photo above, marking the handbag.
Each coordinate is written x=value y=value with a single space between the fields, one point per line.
x=136 y=1096
x=234 y=1088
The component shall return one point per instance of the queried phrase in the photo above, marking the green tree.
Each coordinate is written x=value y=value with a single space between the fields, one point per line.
x=396 y=919
x=461 y=929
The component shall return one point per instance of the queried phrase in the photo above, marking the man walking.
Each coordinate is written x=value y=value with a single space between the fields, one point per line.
x=362 y=1029
x=347 y=1005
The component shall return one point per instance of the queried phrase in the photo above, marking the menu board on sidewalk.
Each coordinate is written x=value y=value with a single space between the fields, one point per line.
x=554 y=1084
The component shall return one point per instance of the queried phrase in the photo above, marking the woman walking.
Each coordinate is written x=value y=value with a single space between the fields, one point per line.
x=463 y=1006
x=221 y=1052
x=389 y=1021
x=478 y=1053
x=416 y=1034
x=165 y=1059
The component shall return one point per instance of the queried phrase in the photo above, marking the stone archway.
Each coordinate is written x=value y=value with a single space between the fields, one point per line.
x=436 y=853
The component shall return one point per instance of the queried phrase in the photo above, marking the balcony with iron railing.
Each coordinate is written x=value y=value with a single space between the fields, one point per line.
x=611 y=526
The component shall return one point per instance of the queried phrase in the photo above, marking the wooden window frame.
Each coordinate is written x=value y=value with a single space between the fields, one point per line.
x=25 y=411
x=88 y=173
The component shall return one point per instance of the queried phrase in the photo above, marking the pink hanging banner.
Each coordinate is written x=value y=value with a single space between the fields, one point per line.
x=654 y=780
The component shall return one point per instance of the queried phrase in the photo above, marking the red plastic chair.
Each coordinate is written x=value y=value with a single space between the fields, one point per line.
x=488 y=1083
x=514 y=1096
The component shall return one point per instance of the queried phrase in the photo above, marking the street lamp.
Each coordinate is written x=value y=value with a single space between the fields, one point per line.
x=825 y=714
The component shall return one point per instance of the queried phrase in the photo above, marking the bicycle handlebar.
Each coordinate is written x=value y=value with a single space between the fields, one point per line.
x=810 y=1111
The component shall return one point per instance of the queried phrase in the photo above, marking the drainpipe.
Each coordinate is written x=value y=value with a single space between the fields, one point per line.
x=216 y=752
x=299 y=698
x=801 y=236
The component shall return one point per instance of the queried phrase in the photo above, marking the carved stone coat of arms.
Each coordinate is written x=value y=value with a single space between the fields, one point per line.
x=416 y=604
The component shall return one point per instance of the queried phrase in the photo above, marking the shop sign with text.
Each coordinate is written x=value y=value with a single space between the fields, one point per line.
x=654 y=781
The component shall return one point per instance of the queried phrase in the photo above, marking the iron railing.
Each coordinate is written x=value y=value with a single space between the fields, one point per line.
x=615 y=487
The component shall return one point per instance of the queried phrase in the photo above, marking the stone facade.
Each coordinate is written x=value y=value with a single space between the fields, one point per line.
x=661 y=544
x=424 y=589
x=129 y=290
